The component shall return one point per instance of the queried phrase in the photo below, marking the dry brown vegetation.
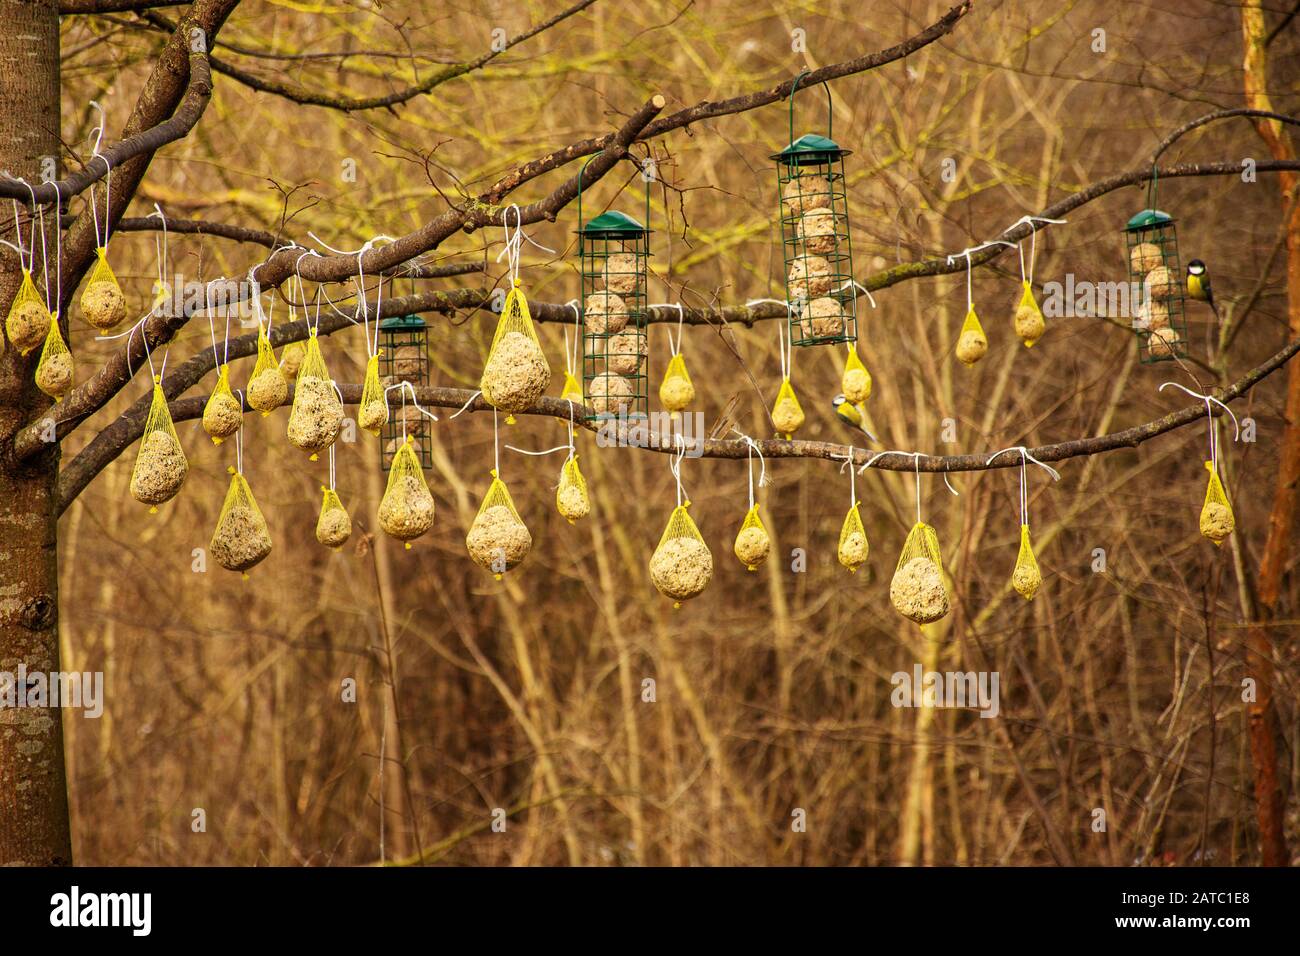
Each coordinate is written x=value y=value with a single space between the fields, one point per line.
x=1120 y=690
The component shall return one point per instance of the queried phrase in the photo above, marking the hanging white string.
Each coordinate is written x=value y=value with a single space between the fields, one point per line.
x=571 y=355
x=1025 y=457
x=1209 y=413
x=331 y=466
x=673 y=348
x=916 y=457
x=785 y=345
x=853 y=477
x=402 y=388
x=752 y=450
x=239 y=437
x=1032 y=222
x=858 y=285
x=970 y=265
x=108 y=181
x=467 y=405
x=675 y=465
x=515 y=242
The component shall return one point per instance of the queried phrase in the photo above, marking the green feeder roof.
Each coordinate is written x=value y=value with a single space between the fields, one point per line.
x=402 y=323
x=1148 y=219
x=615 y=225
x=810 y=149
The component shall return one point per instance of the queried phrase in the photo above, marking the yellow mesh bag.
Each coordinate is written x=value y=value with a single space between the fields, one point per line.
x=267 y=386
x=676 y=391
x=406 y=510
x=917 y=590
x=291 y=357
x=753 y=543
x=972 y=343
x=102 y=303
x=787 y=413
x=222 y=413
x=853 y=546
x=1026 y=578
x=572 y=391
x=516 y=373
x=28 y=322
x=160 y=464
x=682 y=565
x=498 y=539
x=1217 y=519
x=241 y=538
x=55 y=371
x=317 y=413
x=333 y=524
x=855 y=383
x=1029 y=322
x=374 y=405
x=571 y=498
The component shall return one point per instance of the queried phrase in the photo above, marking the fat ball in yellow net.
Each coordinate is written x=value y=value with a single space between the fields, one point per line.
x=406 y=510
x=56 y=370
x=676 y=391
x=222 y=413
x=267 y=386
x=103 y=304
x=1029 y=322
x=855 y=383
x=317 y=413
x=333 y=524
x=241 y=538
x=753 y=543
x=972 y=344
x=498 y=540
x=28 y=322
x=917 y=590
x=1217 y=519
x=160 y=464
x=853 y=547
x=682 y=565
x=571 y=497
x=787 y=413
x=1026 y=578
x=374 y=403
x=516 y=374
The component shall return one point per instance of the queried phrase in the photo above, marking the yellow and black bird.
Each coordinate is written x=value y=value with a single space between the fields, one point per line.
x=1198 y=284
x=855 y=416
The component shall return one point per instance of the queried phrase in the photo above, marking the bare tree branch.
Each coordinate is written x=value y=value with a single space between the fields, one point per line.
x=112 y=441
x=72 y=7
x=197 y=94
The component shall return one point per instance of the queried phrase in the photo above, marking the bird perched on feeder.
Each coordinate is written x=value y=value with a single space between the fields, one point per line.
x=855 y=416
x=1198 y=284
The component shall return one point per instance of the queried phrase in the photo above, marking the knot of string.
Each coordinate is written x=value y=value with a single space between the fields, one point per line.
x=515 y=242
x=751 y=450
x=673 y=347
x=853 y=477
x=970 y=265
x=1210 y=401
x=675 y=466
x=403 y=387
x=854 y=283
x=1025 y=457
x=1032 y=222
x=108 y=181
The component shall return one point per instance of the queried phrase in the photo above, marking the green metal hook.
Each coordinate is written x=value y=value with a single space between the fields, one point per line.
x=830 y=118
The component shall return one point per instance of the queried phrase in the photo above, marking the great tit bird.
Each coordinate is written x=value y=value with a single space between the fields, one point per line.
x=854 y=416
x=1198 y=284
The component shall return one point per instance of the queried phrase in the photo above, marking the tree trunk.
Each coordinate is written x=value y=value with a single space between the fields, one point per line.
x=1281 y=520
x=33 y=787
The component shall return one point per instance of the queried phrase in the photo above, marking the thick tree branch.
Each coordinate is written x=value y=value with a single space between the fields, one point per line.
x=112 y=441
x=72 y=7
x=197 y=94
x=1213 y=117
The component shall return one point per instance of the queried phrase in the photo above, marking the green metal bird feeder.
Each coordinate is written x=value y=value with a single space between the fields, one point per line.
x=404 y=357
x=1156 y=286
x=613 y=253
x=820 y=293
